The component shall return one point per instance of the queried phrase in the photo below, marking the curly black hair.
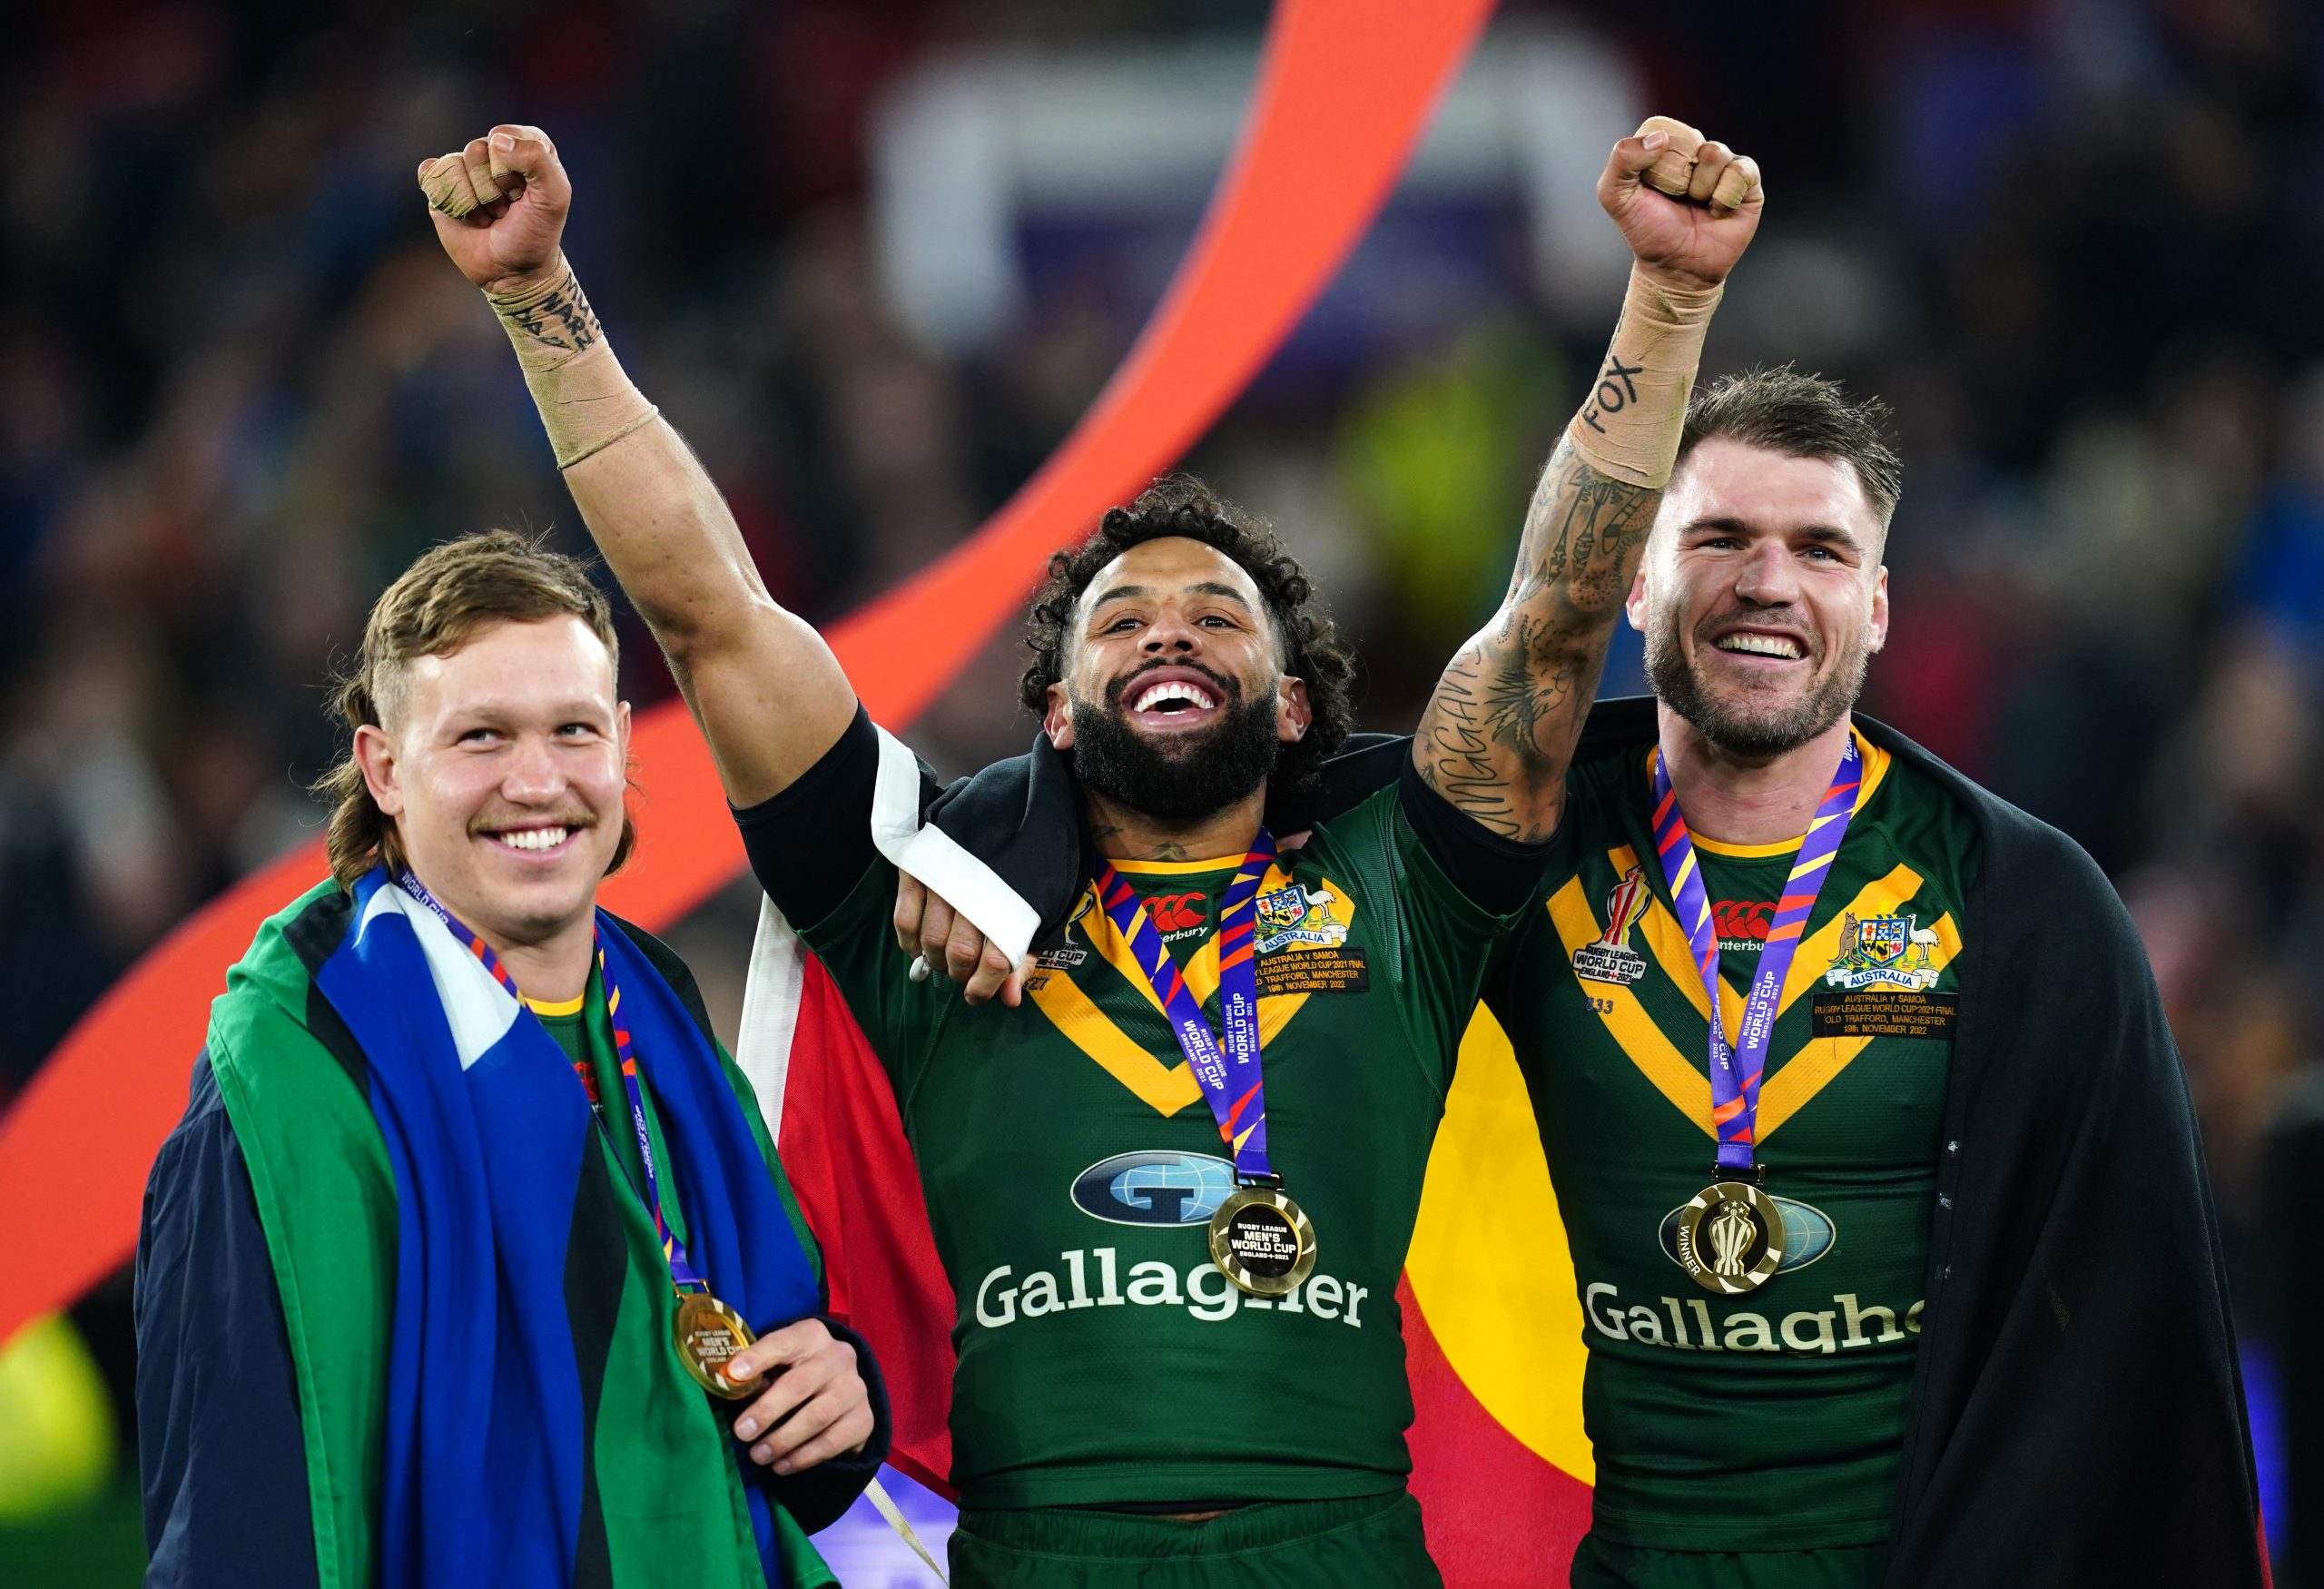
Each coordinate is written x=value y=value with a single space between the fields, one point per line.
x=1181 y=504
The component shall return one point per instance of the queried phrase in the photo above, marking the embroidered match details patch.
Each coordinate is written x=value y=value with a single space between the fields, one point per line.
x=1884 y=1012
x=1315 y=970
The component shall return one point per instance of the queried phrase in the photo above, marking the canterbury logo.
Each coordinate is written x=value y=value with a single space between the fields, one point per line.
x=1178 y=913
x=1748 y=918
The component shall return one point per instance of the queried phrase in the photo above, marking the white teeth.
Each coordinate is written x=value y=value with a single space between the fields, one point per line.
x=534 y=838
x=1762 y=645
x=1172 y=690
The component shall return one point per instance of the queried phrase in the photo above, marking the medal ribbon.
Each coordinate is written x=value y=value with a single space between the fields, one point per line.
x=1735 y=1072
x=1229 y=1073
x=682 y=1271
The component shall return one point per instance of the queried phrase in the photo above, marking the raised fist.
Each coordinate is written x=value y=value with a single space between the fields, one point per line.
x=499 y=207
x=1686 y=207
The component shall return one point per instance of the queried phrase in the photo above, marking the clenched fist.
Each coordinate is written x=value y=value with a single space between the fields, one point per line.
x=499 y=207
x=1687 y=207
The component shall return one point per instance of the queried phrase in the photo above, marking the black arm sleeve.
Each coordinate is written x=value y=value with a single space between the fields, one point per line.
x=1496 y=873
x=811 y=845
x=220 y=1454
x=816 y=1498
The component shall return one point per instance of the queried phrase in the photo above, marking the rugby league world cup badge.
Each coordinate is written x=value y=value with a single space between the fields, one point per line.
x=1611 y=958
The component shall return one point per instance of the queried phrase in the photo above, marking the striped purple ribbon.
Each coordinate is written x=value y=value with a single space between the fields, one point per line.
x=1228 y=1073
x=1735 y=1071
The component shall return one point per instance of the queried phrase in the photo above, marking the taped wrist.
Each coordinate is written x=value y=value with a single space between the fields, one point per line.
x=1629 y=427
x=588 y=402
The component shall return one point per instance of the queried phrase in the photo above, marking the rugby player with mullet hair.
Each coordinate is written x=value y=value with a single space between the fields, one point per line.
x=1204 y=1389
x=415 y=1270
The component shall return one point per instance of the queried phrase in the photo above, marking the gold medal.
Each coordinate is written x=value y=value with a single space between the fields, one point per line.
x=1730 y=1238
x=710 y=1335
x=1261 y=1240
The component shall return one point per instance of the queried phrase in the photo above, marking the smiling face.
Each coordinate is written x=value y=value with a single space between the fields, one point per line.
x=502 y=766
x=1174 y=700
x=1761 y=596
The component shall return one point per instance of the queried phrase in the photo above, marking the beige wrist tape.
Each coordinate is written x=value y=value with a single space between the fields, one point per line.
x=1630 y=426
x=587 y=401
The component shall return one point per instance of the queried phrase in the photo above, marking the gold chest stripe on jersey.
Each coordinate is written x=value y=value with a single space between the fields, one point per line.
x=1658 y=1060
x=1165 y=1087
x=1202 y=965
x=1805 y=1074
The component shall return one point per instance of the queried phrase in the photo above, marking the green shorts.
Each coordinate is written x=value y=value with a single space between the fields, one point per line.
x=1374 y=1541
x=1601 y=1565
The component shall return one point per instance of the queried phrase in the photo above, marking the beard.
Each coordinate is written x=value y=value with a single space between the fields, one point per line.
x=1750 y=723
x=1194 y=775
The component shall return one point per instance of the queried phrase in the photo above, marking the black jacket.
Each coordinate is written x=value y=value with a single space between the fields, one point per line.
x=2077 y=1414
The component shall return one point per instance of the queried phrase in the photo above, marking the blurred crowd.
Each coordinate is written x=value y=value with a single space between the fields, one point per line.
x=2070 y=242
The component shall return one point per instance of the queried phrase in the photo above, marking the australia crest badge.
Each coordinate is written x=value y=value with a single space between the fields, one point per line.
x=1884 y=951
x=1294 y=914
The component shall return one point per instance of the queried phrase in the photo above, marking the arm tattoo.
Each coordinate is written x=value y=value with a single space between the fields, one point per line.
x=559 y=318
x=1616 y=392
x=1501 y=726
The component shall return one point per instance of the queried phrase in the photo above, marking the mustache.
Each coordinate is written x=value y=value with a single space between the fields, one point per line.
x=1117 y=692
x=575 y=817
x=1781 y=619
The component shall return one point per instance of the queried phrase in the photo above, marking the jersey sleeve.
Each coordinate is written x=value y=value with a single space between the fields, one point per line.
x=221 y=1454
x=811 y=848
x=857 y=944
x=1496 y=874
x=1440 y=942
x=810 y=843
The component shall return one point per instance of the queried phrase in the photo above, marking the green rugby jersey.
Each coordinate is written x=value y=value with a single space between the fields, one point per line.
x=1772 y=1420
x=1070 y=1166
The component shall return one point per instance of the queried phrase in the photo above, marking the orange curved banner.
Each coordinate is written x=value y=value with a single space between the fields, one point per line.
x=1344 y=88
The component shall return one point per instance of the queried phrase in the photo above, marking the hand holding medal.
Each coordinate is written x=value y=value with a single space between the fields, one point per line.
x=710 y=1336
x=812 y=1404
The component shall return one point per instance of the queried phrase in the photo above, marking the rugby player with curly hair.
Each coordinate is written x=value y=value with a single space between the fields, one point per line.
x=1172 y=1172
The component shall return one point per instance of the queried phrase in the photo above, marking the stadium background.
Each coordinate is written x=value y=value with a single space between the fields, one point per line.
x=875 y=257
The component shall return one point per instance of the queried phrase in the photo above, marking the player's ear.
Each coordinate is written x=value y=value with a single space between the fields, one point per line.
x=1293 y=711
x=1057 y=716
x=375 y=753
x=1878 y=628
x=1634 y=604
